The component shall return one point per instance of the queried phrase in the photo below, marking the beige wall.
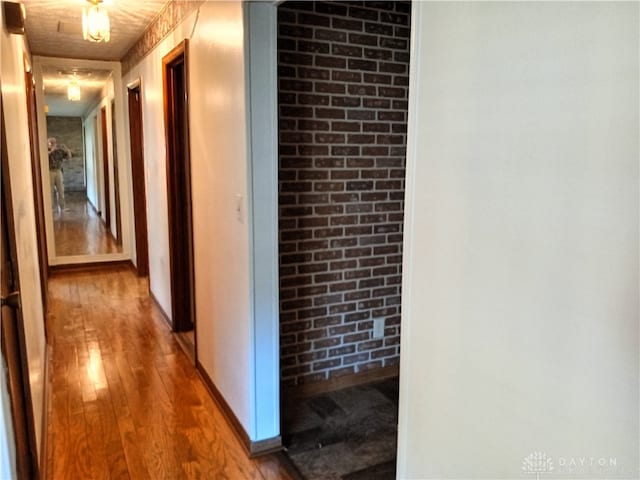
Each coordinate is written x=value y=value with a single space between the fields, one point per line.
x=14 y=111
x=219 y=184
x=520 y=289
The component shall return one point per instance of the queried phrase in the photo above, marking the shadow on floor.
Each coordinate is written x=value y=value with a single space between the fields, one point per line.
x=349 y=434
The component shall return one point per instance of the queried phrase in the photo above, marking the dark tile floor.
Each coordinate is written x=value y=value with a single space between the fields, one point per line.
x=349 y=434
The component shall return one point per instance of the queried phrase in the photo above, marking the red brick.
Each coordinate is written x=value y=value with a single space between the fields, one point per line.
x=342 y=107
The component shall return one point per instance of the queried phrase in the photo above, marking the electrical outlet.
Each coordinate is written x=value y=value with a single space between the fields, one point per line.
x=378 y=327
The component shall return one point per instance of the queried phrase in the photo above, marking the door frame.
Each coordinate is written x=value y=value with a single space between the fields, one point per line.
x=105 y=168
x=116 y=174
x=260 y=21
x=13 y=335
x=36 y=171
x=136 y=141
x=179 y=190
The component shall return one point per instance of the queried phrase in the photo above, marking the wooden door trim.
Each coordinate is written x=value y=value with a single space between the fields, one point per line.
x=180 y=229
x=20 y=389
x=138 y=181
x=105 y=168
x=116 y=175
x=36 y=171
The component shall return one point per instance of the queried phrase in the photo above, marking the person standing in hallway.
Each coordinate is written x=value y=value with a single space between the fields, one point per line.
x=58 y=154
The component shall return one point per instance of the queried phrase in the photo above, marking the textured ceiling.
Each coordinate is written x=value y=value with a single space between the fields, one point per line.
x=54 y=27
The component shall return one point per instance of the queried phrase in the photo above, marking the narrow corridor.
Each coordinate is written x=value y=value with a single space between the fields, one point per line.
x=124 y=400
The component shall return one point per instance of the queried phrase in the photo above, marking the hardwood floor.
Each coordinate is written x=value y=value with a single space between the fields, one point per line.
x=124 y=400
x=78 y=230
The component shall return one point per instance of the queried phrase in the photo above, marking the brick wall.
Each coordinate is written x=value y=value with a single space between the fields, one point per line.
x=68 y=131
x=343 y=89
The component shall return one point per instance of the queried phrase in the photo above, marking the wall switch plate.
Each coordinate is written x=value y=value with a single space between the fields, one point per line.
x=378 y=327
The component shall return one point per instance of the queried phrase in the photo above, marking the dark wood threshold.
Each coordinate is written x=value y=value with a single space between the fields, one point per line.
x=338 y=383
x=91 y=266
x=253 y=449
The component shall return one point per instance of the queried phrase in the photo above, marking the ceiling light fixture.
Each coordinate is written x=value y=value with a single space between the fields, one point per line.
x=95 y=23
x=73 y=90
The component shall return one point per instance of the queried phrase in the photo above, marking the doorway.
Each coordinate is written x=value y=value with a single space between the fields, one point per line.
x=175 y=81
x=138 y=180
x=343 y=81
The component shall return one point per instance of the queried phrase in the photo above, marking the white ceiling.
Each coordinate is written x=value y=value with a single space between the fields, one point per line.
x=54 y=29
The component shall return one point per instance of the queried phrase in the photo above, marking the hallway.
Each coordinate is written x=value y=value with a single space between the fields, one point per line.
x=124 y=400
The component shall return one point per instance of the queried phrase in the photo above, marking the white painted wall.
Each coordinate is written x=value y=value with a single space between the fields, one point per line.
x=520 y=288
x=220 y=178
x=13 y=49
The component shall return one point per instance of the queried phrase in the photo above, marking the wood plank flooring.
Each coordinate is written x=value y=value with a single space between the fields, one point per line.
x=78 y=230
x=124 y=400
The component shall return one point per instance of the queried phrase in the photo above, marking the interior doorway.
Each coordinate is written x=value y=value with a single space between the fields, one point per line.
x=138 y=180
x=343 y=83
x=175 y=80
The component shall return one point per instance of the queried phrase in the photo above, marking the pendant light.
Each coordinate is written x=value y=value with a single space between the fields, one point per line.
x=73 y=90
x=95 y=22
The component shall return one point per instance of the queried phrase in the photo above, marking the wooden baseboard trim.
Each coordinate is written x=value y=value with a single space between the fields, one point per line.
x=362 y=378
x=88 y=267
x=253 y=449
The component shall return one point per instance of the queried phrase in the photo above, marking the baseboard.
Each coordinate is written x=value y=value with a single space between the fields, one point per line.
x=88 y=267
x=162 y=312
x=253 y=449
x=187 y=347
x=133 y=268
x=93 y=207
x=351 y=380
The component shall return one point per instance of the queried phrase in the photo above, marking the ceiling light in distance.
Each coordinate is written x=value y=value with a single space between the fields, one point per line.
x=73 y=90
